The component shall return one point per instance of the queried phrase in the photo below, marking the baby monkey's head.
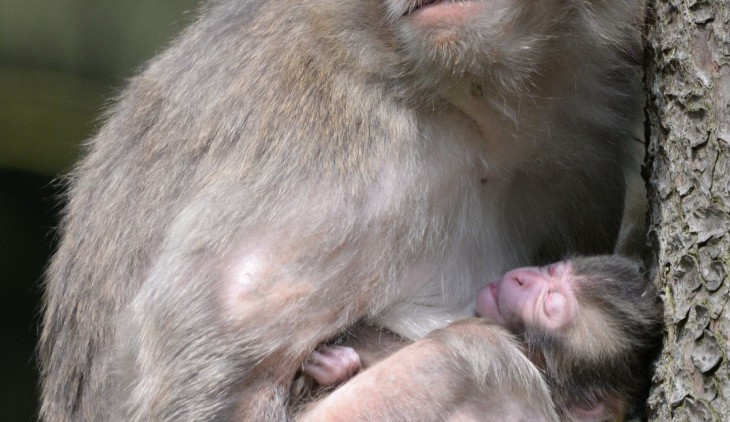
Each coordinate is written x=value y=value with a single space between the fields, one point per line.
x=592 y=324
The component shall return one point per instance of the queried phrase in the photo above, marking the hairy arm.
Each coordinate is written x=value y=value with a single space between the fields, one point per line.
x=471 y=370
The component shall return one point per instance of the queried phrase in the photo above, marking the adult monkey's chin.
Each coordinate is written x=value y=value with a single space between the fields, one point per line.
x=444 y=12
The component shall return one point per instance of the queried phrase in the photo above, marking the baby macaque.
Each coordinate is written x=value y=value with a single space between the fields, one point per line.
x=591 y=325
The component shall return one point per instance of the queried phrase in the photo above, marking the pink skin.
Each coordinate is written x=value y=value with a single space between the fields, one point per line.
x=530 y=296
x=332 y=365
x=447 y=13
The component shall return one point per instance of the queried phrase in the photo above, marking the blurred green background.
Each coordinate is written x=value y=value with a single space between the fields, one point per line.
x=61 y=61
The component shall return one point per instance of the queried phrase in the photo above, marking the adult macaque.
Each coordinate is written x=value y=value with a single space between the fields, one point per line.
x=592 y=326
x=290 y=167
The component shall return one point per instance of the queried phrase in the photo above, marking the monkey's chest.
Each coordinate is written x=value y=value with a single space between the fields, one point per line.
x=450 y=235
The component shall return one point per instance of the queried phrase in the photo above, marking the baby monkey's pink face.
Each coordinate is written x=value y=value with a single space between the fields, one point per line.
x=541 y=297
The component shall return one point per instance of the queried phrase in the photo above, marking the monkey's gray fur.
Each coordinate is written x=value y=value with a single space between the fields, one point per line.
x=289 y=167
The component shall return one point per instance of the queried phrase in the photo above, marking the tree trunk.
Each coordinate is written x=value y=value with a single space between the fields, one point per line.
x=688 y=170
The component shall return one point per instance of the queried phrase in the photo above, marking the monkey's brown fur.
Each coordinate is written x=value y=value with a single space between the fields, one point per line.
x=289 y=167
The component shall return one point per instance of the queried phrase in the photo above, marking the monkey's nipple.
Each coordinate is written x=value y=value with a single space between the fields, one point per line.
x=488 y=301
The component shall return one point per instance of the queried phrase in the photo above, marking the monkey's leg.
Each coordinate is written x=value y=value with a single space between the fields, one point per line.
x=223 y=338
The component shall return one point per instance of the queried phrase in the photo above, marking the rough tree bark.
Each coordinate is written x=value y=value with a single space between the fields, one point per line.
x=688 y=170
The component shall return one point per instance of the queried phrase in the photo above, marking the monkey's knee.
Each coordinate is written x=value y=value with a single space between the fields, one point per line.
x=249 y=284
x=271 y=296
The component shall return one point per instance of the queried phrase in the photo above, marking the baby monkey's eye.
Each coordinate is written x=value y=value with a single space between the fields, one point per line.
x=556 y=268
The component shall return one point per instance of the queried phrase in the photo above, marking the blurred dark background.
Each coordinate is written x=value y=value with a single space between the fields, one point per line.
x=61 y=61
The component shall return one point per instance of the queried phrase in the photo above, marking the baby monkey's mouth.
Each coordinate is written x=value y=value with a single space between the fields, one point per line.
x=420 y=4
